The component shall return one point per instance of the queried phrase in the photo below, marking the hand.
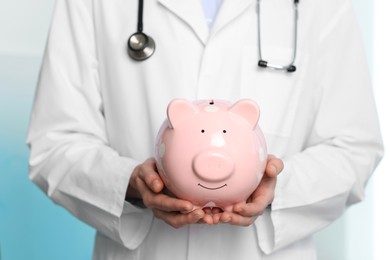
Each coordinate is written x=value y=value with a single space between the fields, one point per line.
x=146 y=184
x=244 y=214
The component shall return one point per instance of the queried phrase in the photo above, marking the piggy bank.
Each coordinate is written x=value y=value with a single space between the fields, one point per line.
x=211 y=152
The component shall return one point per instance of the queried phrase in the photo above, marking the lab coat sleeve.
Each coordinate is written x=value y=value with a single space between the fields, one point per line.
x=344 y=143
x=71 y=159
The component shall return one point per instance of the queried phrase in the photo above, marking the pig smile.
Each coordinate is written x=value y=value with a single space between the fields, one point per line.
x=216 y=188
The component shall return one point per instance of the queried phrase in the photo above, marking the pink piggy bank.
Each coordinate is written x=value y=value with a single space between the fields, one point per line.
x=211 y=153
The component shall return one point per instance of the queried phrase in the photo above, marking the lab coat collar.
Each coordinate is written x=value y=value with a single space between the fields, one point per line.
x=229 y=10
x=191 y=12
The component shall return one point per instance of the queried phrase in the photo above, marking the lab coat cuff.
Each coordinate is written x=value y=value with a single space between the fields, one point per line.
x=132 y=222
x=268 y=225
x=105 y=190
x=125 y=169
x=135 y=220
x=104 y=207
x=134 y=225
x=265 y=232
x=278 y=228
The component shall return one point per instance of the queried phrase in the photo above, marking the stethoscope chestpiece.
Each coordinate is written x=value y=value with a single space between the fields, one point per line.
x=140 y=46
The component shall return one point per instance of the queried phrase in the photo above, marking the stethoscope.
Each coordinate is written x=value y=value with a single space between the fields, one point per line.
x=142 y=46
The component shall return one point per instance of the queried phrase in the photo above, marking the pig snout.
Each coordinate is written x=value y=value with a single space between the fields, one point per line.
x=213 y=166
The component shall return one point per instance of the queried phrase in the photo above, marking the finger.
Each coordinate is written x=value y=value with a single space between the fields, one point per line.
x=162 y=201
x=177 y=220
x=149 y=174
x=217 y=217
x=211 y=216
x=208 y=219
x=236 y=219
x=274 y=166
x=201 y=221
x=259 y=200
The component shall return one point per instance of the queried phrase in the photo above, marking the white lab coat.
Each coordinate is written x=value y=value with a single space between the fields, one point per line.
x=97 y=112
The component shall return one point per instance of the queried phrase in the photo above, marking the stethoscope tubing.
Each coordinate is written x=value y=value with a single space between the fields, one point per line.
x=142 y=46
x=290 y=67
x=140 y=25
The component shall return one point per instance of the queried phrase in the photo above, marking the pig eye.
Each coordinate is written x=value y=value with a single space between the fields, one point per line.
x=202 y=131
x=224 y=131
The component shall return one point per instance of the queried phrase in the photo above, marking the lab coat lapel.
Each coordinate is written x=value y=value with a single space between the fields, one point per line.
x=229 y=10
x=190 y=11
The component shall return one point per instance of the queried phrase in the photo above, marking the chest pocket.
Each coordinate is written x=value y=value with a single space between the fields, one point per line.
x=277 y=92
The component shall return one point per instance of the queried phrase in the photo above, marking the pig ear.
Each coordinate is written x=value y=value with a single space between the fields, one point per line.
x=180 y=109
x=248 y=110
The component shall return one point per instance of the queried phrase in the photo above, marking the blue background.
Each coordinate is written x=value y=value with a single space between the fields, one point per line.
x=31 y=225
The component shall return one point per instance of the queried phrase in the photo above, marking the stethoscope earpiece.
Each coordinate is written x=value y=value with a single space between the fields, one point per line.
x=288 y=68
x=140 y=46
x=291 y=68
